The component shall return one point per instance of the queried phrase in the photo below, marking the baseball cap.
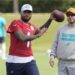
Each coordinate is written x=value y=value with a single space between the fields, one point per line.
x=26 y=7
x=71 y=10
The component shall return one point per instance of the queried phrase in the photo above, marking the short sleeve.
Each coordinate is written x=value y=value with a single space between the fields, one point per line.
x=14 y=26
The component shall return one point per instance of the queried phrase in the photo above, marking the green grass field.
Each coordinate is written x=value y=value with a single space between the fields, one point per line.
x=39 y=46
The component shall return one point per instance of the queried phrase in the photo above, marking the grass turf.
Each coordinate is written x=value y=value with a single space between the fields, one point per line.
x=39 y=46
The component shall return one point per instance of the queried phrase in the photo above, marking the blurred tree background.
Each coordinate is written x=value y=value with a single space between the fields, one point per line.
x=38 y=5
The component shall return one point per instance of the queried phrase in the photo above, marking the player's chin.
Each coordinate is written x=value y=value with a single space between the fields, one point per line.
x=71 y=22
x=26 y=20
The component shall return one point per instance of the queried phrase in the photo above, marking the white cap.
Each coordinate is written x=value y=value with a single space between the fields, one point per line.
x=26 y=7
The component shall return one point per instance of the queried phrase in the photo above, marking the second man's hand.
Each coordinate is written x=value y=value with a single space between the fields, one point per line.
x=51 y=62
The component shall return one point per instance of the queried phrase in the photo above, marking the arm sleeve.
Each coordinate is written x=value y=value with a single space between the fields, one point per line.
x=54 y=45
x=13 y=27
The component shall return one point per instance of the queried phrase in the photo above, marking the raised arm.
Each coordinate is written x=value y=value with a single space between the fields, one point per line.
x=40 y=31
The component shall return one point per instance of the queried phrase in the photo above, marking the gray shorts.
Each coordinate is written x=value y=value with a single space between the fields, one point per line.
x=2 y=39
x=66 y=67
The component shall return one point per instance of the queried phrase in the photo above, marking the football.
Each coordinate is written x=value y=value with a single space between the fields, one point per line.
x=58 y=15
x=48 y=52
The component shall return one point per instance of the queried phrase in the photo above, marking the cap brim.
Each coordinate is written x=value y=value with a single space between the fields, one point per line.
x=69 y=12
x=26 y=10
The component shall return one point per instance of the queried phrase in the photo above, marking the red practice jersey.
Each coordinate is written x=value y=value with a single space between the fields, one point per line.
x=17 y=47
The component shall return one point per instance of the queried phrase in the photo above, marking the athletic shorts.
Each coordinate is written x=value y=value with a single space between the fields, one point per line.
x=29 y=68
x=2 y=39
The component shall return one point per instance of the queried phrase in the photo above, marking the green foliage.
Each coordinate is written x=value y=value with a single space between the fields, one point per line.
x=38 y=5
x=6 y=5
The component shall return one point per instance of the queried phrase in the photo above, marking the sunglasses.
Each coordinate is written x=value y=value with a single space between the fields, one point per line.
x=70 y=14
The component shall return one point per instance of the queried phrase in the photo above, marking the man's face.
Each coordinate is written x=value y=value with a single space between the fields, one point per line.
x=71 y=18
x=26 y=16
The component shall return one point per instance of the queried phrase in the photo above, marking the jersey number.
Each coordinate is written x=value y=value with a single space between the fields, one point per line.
x=28 y=43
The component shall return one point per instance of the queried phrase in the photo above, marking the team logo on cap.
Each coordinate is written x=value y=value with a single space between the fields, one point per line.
x=69 y=9
x=27 y=6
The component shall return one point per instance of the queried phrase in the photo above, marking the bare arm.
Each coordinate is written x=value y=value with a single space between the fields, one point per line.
x=21 y=36
x=5 y=26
